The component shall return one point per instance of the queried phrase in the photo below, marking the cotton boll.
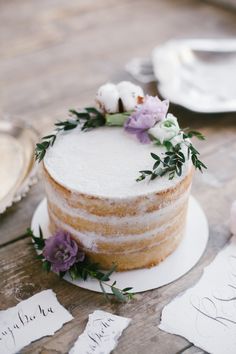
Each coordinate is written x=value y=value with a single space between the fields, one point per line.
x=128 y=94
x=108 y=97
x=129 y=87
x=232 y=220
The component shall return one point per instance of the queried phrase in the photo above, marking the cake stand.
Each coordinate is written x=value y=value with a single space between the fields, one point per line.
x=173 y=267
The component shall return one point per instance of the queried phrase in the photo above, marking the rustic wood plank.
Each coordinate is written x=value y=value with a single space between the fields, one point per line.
x=57 y=75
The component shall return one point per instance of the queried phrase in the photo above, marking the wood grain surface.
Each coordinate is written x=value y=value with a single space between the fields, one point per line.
x=53 y=56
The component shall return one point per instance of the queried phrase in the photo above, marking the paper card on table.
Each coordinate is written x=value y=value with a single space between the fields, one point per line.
x=40 y=315
x=206 y=313
x=101 y=333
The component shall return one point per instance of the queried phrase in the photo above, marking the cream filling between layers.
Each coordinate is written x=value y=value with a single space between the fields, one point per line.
x=89 y=240
x=142 y=219
x=90 y=243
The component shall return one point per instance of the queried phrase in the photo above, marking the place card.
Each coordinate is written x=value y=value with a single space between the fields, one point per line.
x=40 y=315
x=101 y=333
x=206 y=313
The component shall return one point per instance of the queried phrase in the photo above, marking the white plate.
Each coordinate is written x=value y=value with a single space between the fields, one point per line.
x=176 y=265
x=198 y=74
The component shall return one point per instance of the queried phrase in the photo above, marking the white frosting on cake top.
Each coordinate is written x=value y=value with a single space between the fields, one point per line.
x=104 y=162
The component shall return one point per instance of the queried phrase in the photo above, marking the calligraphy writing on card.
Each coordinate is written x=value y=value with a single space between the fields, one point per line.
x=40 y=315
x=206 y=313
x=101 y=333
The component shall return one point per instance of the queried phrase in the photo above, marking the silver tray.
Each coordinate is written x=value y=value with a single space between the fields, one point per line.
x=199 y=74
x=17 y=166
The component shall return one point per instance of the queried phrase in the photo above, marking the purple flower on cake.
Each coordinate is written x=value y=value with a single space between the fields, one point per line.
x=62 y=252
x=145 y=116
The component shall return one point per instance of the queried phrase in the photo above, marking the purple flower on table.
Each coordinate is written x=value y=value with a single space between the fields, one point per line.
x=62 y=251
x=145 y=116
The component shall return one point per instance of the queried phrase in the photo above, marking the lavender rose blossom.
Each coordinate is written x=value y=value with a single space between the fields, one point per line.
x=62 y=252
x=145 y=116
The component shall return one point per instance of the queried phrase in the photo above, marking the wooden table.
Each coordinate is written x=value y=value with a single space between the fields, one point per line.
x=53 y=56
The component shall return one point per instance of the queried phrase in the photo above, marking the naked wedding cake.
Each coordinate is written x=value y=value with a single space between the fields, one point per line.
x=99 y=185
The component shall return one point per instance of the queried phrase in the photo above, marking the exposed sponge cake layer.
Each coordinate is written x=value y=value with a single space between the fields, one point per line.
x=136 y=239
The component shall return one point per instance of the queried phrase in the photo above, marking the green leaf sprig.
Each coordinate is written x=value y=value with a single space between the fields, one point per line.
x=90 y=118
x=84 y=270
x=172 y=161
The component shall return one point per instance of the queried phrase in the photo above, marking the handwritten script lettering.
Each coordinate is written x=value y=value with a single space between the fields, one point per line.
x=23 y=320
x=31 y=319
x=209 y=307
x=101 y=333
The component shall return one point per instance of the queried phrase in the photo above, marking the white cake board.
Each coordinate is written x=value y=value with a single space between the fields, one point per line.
x=173 y=267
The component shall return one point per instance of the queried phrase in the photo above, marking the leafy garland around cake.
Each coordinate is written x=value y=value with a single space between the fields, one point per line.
x=61 y=254
x=144 y=116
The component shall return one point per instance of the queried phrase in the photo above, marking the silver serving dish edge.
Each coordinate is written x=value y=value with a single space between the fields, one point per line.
x=23 y=137
x=199 y=74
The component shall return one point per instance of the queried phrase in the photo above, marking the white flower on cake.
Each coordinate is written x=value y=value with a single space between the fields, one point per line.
x=108 y=96
x=177 y=139
x=166 y=129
